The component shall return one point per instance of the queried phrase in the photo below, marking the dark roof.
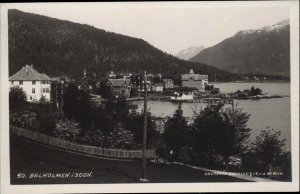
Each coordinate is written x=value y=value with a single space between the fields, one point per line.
x=158 y=84
x=194 y=77
x=167 y=80
x=119 y=82
x=28 y=73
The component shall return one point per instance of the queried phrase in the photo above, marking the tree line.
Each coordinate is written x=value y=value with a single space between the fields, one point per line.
x=217 y=137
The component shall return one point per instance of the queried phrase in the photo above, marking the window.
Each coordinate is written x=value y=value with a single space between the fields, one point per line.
x=47 y=90
x=33 y=82
x=21 y=82
x=12 y=82
x=33 y=90
x=30 y=97
x=44 y=90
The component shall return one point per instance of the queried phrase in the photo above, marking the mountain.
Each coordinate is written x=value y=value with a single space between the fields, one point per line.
x=188 y=53
x=59 y=47
x=262 y=51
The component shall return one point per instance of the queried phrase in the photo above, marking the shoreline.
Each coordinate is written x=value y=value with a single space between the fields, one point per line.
x=260 y=82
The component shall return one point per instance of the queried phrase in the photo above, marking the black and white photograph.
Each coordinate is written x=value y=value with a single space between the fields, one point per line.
x=156 y=96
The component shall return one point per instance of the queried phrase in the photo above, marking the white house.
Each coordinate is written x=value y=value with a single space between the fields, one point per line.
x=34 y=84
x=181 y=96
x=158 y=87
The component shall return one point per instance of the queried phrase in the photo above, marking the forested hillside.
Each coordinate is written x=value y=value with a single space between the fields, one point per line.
x=59 y=47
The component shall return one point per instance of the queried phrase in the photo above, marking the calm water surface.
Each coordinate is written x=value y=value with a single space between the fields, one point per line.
x=274 y=113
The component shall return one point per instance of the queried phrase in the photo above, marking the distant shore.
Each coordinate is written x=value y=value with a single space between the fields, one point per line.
x=269 y=81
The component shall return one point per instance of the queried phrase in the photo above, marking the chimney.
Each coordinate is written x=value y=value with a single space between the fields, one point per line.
x=26 y=68
x=31 y=66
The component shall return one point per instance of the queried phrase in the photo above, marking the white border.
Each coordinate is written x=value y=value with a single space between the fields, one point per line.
x=6 y=188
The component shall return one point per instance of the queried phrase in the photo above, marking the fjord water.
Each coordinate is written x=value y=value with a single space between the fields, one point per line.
x=274 y=113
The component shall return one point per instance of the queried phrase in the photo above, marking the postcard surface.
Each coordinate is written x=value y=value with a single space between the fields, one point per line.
x=149 y=97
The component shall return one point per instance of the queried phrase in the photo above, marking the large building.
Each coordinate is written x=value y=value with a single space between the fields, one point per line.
x=193 y=80
x=120 y=87
x=34 y=84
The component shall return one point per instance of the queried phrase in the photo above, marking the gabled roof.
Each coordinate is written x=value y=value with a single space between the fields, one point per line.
x=119 y=82
x=195 y=77
x=158 y=84
x=28 y=73
x=167 y=80
x=45 y=77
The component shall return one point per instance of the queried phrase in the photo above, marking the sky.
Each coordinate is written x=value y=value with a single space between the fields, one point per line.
x=168 y=26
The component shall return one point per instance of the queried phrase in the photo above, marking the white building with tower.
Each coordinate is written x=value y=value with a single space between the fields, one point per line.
x=34 y=84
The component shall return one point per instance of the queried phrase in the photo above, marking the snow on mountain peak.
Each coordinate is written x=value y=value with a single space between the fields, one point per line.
x=189 y=52
x=275 y=27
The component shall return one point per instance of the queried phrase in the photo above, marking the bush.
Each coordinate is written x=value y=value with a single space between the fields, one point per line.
x=119 y=137
x=43 y=99
x=67 y=129
x=47 y=123
x=94 y=137
x=16 y=96
x=25 y=120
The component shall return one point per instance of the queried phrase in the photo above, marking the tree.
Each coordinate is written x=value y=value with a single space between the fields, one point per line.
x=71 y=96
x=67 y=129
x=104 y=90
x=176 y=131
x=119 y=137
x=209 y=87
x=16 y=96
x=235 y=134
x=134 y=123
x=221 y=132
x=268 y=148
x=77 y=106
x=84 y=110
x=253 y=91
x=208 y=126
x=42 y=99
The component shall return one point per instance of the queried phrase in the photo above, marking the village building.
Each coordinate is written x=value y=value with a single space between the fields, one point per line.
x=182 y=96
x=120 y=87
x=193 y=80
x=126 y=75
x=63 y=78
x=157 y=87
x=34 y=84
x=149 y=86
x=84 y=85
x=168 y=83
x=112 y=74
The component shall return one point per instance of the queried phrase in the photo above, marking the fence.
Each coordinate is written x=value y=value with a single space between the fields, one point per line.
x=92 y=150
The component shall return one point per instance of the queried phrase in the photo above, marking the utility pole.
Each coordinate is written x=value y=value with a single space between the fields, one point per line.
x=139 y=86
x=143 y=178
x=62 y=97
x=56 y=96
